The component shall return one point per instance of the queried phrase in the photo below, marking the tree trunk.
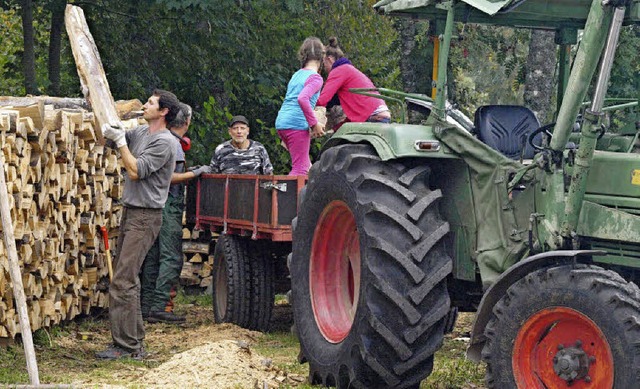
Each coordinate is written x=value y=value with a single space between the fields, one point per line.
x=538 y=90
x=29 y=56
x=55 y=35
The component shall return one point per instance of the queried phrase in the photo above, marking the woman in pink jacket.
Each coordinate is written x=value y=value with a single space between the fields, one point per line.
x=343 y=76
x=296 y=122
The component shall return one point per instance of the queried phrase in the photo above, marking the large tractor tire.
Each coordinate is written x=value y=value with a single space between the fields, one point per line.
x=262 y=286
x=565 y=327
x=232 y=280
x=369 y=270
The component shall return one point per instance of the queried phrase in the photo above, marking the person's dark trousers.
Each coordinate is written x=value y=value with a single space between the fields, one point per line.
x=163 y=264
x=139 y=228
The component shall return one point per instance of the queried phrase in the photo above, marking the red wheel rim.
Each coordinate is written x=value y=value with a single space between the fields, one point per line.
x=538 y=343
x=334 y=273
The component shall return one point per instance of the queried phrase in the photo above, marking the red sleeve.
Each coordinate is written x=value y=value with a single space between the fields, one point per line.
x=311 y=86
x=331 y=87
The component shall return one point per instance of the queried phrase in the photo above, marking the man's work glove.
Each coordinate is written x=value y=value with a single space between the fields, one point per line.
x=198 y=170
x=115 y=132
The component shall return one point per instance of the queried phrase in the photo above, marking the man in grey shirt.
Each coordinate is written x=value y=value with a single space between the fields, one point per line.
x=148 y=155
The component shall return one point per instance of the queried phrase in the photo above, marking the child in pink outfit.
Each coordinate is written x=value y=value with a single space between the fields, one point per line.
x=296 y=122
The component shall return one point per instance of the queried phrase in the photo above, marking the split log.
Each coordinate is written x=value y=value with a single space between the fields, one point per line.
x=55 y=102
x=31 y=106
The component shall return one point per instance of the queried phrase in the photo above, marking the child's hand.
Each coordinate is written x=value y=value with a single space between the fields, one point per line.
x=317 y=130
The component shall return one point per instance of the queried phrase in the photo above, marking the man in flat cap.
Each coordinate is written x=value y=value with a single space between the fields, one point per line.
x=240 y=155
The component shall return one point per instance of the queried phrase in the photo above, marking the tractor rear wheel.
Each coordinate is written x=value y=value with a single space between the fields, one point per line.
x=232 y=280
x=565 y=327
x=369 y=270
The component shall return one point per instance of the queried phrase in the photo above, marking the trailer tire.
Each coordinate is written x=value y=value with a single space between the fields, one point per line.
x=369 y=270
x=232 y=280
x=565 y=326
x=262 y=287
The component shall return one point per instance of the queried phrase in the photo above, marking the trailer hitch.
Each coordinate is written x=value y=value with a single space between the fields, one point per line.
x=280 y=187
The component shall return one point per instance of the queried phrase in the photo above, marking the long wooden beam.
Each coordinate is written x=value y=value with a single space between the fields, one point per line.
x=16 y=278
x=94 y=81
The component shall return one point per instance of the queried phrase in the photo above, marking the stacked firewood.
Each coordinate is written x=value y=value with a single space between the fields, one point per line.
x=197 y=266
x=63 y=185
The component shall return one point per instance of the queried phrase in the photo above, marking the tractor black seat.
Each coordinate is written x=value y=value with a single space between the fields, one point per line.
x=506 y=128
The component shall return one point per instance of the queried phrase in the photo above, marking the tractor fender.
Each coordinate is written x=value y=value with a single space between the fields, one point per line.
x=509 y=277
x=392 y=141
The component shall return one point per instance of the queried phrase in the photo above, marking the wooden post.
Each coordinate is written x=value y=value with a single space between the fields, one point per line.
x=16 y=279
x=94 y=82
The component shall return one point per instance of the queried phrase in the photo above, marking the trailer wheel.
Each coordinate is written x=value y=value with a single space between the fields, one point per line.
x=369 y=270
x=262 y=286
x=566 y=326
x=232 y=277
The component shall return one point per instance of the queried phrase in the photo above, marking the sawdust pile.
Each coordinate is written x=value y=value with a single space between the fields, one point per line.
x=223 y=364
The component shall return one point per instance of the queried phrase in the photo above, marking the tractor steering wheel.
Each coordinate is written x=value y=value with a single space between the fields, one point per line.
x=546 y=129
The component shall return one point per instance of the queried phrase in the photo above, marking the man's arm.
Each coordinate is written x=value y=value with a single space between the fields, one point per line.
x=130 y=162
x=177 y=178
x=115 y=133
x=214 y=166
x=267 y=167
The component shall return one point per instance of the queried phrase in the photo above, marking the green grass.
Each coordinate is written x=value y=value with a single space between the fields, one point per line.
x=12 y=365
x=451 y=368
x=281 y=299
x=454 y=373
x=282 y=348
x=201 y=300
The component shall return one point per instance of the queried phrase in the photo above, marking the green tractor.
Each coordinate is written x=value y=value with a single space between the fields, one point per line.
x=536 y=228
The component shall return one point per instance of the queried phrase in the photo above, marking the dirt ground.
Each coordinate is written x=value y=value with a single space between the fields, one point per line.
x=196 y=354
x=202 y=354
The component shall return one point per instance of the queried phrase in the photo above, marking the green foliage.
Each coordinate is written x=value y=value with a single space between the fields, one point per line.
x=10 y=50
x=502 y=52
x=12 y=47
x=625 y=75
x=208 y=127
x=367 y=39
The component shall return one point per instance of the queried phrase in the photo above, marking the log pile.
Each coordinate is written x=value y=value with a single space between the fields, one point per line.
x=63 y=185
x=197 y=266
x=197 y=270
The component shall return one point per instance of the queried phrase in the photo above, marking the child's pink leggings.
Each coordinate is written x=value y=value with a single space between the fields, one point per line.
x=298 y=143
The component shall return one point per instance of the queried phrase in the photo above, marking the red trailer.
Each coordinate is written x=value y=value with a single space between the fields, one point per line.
x=250 y=219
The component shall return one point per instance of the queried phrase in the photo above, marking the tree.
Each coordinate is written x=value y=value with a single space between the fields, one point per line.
x=57 y=8
x=29 y=57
